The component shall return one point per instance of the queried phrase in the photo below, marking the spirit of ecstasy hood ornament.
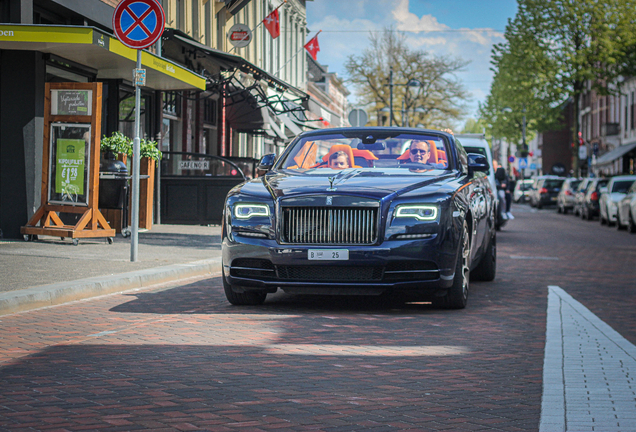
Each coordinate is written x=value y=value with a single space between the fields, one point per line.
x=331 y=180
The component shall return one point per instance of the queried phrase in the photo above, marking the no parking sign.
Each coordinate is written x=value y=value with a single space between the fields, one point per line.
x=138 y=23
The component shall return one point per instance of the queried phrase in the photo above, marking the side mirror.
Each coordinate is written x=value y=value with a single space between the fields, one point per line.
x=477 y=162
x=266 y=163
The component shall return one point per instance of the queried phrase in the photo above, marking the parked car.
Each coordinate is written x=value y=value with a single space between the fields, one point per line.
x=579 y=195
x=589 y=204
x=565 y=199
x=610 y=197
x=399 y=226
x=545 y=190
x=477 y=144
x=522 y=190
x=626 y=216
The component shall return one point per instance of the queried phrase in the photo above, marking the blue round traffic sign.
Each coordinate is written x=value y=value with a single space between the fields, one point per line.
x=511 y=159
x=138 y=23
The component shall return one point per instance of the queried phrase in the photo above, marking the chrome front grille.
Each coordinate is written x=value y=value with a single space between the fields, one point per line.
x=330 y=225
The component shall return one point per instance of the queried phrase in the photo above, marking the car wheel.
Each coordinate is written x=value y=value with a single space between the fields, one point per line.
x=602 y=220
x=243 y=299
x=631 y=227
x=457 y=295
x=559 y=209
x=565 y=210
x=539 y=205
x=619 y=226
x=487 y=267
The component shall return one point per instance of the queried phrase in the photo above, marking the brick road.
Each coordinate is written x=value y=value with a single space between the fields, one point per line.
x=180 y=358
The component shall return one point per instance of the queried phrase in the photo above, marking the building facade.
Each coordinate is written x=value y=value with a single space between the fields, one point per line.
x=203 y=95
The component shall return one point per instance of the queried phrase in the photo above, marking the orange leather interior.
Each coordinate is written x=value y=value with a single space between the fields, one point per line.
x=340 y=147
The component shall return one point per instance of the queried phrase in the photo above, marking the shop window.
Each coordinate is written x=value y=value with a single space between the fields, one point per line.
x=172 y=103
x=209 y=111
x=127 y=114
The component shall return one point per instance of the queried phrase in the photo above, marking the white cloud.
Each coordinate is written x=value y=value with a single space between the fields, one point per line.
x=408 y=21
x=418 y=42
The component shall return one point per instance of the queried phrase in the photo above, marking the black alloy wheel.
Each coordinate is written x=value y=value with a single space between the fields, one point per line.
x=244 y=298
x=457 y=295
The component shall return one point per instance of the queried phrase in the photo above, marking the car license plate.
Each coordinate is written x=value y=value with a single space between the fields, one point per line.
x=328 y=254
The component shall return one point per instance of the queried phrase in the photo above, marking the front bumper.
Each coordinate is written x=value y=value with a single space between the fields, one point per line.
x=423 y=265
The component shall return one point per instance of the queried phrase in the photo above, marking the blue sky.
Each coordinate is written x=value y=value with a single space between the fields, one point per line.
x=466 y=29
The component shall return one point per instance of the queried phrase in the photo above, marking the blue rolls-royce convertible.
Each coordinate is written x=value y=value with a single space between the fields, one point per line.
x=362 y=211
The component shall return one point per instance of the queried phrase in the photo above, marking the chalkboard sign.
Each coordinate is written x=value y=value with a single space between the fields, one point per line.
x=71 y=102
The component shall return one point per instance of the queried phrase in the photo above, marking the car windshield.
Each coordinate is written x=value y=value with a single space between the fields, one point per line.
x=392 y=153
x=575 y=184
x=622 y=186
x=553 y=184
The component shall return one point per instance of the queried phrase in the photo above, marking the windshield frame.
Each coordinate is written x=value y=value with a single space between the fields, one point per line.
x=379 y=134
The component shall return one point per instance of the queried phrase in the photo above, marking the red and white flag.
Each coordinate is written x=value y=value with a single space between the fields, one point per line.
x=312 y=47
x=272 y=24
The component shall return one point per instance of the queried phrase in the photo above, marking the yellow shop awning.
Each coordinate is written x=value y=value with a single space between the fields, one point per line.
x=93 y=48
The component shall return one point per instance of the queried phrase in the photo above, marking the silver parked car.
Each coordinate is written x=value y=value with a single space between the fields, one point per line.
x=626 y=215
x=610 y=197
x=565 y=199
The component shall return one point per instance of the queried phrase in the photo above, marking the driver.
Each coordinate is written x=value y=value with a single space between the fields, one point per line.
x=419 y=152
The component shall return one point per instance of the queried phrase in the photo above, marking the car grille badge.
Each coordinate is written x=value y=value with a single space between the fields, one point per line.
x=329 y=201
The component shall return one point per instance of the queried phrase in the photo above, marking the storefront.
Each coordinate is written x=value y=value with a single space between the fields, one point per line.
x=30 y=56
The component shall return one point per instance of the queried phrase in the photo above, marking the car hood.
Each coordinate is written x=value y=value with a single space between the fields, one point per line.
x=371 y=184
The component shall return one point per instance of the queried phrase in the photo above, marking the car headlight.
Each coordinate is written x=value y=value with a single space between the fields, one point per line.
x=245 y=211
x=421 y=212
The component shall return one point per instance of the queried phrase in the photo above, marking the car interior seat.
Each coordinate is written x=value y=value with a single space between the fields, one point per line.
x=336 y=148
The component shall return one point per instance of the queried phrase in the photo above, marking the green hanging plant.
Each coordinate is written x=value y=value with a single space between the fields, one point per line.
x=149 y=149
x=117 y=143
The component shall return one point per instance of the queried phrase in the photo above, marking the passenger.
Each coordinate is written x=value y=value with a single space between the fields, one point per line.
x=419 y=152
x=339 y=160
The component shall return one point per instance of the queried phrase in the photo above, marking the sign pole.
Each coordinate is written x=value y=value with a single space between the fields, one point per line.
x=135 y=169
x=138 y=24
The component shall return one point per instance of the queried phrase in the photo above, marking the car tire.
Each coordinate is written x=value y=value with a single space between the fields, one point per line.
x=619 y=226
x=602 y=220
x=457 y=295
x=631 y=227
x=565 y=210
x=559 y=209
x=243 y=299
x=487 y=267
x=539 y=205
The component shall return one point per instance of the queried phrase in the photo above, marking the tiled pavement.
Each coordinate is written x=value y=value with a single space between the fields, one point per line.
x=180 y=358
x=588 y=371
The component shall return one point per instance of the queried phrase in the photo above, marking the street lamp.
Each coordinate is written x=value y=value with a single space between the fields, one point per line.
x=410 y=83
x=383 y=111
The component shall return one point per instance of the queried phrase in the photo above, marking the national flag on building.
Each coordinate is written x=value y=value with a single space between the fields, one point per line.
x=312 y=47
x=272 y=23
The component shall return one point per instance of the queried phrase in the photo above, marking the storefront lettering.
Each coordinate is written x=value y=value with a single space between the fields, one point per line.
x=6 y=32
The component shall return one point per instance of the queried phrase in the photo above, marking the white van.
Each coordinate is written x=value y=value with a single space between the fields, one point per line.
x=476 y=143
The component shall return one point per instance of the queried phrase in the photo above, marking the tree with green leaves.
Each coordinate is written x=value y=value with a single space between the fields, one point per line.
x=556 y=50
x=436 y=103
